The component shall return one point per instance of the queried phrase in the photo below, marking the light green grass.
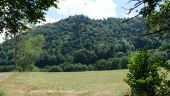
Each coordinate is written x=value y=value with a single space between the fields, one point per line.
x=94 y=83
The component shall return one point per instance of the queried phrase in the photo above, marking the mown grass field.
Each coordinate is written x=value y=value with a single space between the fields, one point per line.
x=94 y=83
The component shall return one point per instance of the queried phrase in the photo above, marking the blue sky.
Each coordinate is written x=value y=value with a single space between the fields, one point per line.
x=96 y=9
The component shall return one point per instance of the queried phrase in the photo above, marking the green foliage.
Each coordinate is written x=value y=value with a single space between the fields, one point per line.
x=124 y=62
x=163 y=89
x=6 y=68
x=84 y=57
x=102 y=65
x=90 y=68
x=79 y=39
x=115 y=63
x=157 y=15
x=158 y=19
x=16 y=15
x=120 y=54
x=67 y=67
x=30 y=49
x=12 y=13
x=2 y=93
x=143 y=76
x=54 y=69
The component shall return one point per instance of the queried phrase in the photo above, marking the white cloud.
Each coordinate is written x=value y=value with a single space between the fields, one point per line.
x=96 y=9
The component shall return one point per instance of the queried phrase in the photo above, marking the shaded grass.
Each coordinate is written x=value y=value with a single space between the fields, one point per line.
x=2 y=92
x=92 y=83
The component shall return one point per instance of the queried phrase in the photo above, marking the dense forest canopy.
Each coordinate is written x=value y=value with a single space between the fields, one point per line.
x=79 y=43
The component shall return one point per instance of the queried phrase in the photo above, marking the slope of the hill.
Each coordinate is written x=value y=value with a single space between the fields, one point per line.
x=100 y=44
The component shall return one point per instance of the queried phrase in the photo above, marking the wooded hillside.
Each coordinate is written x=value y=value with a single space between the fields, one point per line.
x=79 y=43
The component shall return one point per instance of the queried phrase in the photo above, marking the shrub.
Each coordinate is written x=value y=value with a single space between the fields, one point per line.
x=90 y=68
x=6 y=68
x=28 y=68
x=67 y=67
x=143 y=76
x=124 y=62
x=46 y=68
x=80 y=67
x=164 y=89
x=115 y=64
x=55 y=69
x=102 y=65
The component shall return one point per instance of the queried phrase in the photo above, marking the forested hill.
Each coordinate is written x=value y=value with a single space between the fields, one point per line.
x=79 y=40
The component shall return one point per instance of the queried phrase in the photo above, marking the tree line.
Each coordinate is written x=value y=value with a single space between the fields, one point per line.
x=79 y=43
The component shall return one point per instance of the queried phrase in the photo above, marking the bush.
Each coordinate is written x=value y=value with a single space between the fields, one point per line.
x=164 y=89
x=119 y=63
x=55 y=69
x=80 y=67
x=102 y=65
x=90 y=68
x=28 y=68
x=67 y=67
x=143 y=76
x=112 y=63
x=7 y=68
x=115 y=63
x=124 y=62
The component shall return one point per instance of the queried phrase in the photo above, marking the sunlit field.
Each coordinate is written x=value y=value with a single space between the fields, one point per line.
x=94 y=83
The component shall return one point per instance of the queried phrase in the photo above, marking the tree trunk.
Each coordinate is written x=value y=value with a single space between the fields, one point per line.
x=15 y=50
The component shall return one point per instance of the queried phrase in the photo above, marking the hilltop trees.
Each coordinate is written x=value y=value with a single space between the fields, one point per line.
x=93 y=42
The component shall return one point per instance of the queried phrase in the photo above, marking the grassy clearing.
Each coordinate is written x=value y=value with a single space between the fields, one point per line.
x=95 y=83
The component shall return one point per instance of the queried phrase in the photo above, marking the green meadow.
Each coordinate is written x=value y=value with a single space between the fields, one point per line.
x=91 y=83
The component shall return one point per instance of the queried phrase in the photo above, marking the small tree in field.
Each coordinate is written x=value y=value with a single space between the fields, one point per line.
x=30 y=48
x=143 y=77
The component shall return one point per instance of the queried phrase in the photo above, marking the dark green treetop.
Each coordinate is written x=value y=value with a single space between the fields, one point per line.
x=12 y=13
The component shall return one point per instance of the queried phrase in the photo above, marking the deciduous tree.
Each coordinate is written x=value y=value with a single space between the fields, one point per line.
x=157 y=14
x=12 y=13
x=30 y=48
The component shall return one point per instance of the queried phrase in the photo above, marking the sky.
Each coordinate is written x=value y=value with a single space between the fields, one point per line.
x=95 y=9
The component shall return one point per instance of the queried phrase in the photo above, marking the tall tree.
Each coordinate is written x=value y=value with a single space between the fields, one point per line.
x=12 y=12
x=30 y=48
x=157 y=15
